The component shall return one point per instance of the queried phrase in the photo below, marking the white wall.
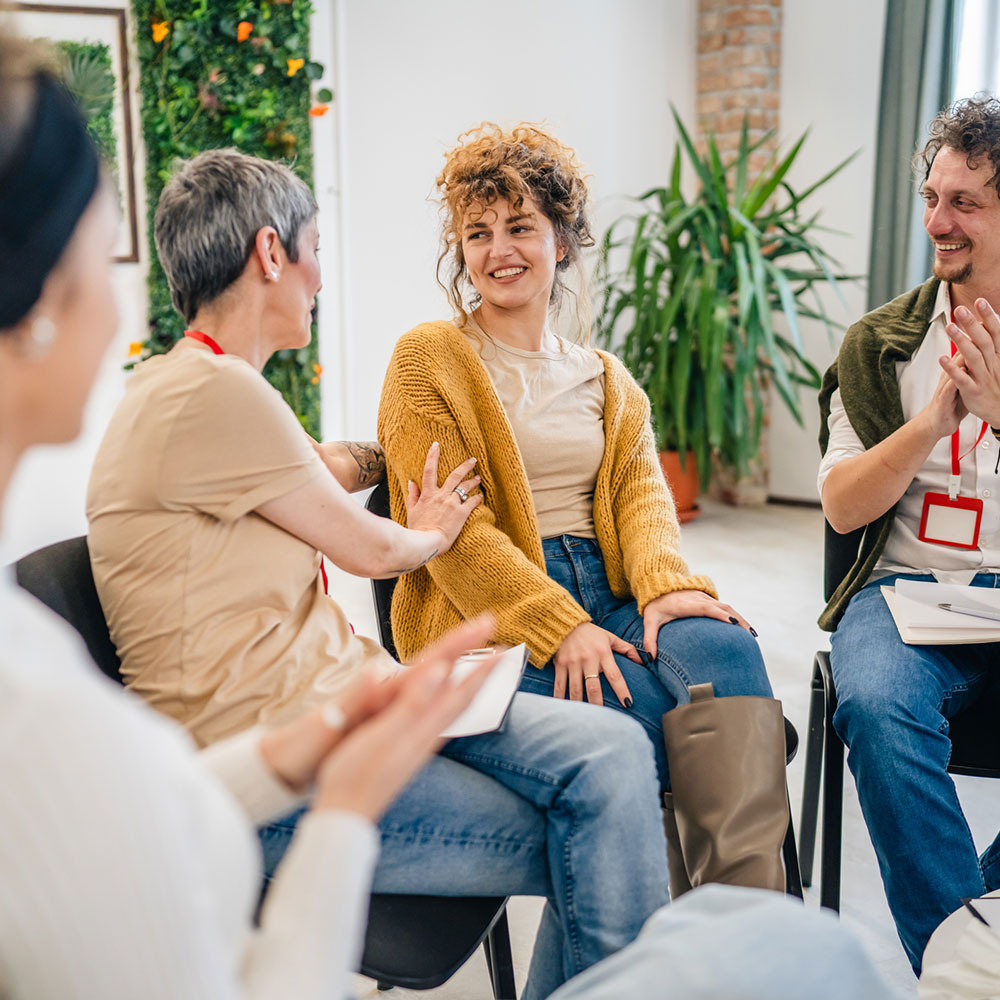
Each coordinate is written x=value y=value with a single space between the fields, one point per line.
x=830 y=79
x=415 y=75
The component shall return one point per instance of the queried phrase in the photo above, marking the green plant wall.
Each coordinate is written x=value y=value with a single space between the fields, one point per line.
x=214 y=74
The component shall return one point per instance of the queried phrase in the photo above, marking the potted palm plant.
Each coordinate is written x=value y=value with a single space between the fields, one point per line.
x=691 y=307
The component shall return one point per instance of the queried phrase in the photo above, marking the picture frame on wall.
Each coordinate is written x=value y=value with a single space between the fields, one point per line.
x=92 y=45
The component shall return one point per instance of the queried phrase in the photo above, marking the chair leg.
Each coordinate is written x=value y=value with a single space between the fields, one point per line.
x=833 y=810
x=793 y=877
x=499 y=960
x=813 y=772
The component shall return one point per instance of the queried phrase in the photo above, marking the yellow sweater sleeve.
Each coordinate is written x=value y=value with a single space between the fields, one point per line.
x=639 y=505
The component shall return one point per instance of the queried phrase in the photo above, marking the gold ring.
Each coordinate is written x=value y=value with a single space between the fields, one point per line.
x=588 y=677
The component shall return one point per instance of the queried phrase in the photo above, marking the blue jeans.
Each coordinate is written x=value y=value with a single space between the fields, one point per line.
x=893 y=706
x=689 y=650
x=561 y=804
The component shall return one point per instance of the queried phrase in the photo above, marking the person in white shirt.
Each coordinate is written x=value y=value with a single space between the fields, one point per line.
x=128 y=862
x=911 y=420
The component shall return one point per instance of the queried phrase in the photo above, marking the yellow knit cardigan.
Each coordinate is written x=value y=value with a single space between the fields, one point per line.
x=437 y=389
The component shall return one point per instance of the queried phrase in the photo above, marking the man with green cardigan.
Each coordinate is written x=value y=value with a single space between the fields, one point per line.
x=909 y=450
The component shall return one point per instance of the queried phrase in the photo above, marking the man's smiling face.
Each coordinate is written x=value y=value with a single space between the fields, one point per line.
x=962 y=218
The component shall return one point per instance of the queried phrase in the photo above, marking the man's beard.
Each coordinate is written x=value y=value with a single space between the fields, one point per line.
x=947 y=272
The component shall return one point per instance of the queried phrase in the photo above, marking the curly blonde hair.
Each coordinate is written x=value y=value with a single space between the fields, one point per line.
x=489 y=163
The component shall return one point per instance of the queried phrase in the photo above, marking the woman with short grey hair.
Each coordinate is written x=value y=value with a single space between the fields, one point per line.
x=210 y=513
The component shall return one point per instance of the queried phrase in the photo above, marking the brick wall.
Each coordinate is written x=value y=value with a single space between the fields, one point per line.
x=738 y=70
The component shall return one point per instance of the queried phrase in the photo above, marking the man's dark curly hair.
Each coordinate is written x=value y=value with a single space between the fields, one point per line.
x=971 y=127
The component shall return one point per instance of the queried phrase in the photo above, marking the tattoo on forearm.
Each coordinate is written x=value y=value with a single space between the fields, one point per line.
x=403 y=572
x=370 y=459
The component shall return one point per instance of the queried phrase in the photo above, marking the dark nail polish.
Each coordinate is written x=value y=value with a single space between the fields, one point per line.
x=753 y=631
x=628 y=703
x=646 y=657
x=735 y=621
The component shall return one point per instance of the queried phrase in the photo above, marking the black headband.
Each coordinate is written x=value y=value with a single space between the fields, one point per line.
x=48 y=183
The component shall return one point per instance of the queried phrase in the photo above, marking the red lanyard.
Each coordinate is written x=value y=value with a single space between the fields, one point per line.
x=956 y=459
x=205 y=339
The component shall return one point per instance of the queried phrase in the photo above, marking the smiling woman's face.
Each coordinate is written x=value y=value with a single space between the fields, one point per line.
x=510 y=255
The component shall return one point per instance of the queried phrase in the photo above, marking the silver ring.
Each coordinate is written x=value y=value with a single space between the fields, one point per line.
x=462 y=495
x=587 y=677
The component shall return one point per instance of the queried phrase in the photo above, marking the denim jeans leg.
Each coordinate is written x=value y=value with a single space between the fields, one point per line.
x=698 y=650
x=560 y=804
x=591 y=774
x=649 y=702
x=893 y=701
x=689 y=650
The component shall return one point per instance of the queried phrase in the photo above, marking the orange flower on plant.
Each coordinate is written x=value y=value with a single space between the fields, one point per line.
x=294 y=65
x=319 y=110
x=318 y=369
x=135 y=348
x=243 y=31
x=160 y=31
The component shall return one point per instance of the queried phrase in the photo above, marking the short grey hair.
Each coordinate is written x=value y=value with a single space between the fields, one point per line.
x=209 y=215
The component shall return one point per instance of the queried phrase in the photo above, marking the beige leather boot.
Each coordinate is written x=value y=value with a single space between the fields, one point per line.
x=727 y=776
x=679 y=883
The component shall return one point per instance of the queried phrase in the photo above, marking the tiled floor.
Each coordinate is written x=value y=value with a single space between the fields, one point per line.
x=767 y=562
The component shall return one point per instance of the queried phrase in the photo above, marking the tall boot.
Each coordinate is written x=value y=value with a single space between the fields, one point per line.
x=679 y=883
x=727 y=775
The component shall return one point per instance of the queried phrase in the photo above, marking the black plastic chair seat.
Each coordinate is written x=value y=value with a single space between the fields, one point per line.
x=396 y=947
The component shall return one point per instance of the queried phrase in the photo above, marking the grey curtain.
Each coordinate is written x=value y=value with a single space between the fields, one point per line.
x=918 y=63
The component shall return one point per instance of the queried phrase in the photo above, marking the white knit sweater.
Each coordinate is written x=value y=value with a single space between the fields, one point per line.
x=126 y=867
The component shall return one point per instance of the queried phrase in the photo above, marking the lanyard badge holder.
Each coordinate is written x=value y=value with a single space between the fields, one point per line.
x=947 y=518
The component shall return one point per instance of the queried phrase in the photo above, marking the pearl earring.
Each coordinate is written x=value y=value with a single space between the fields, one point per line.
x=41 y=337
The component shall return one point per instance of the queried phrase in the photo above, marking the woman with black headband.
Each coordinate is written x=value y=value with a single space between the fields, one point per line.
x=127 y=868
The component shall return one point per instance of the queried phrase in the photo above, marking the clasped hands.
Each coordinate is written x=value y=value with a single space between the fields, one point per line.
x=588 y=651
x=970 y=382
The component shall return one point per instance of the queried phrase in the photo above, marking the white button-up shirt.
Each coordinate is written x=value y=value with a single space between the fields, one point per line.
x=904 y=552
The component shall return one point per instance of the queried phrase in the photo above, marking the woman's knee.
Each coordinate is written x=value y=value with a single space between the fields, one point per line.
x=620 y=759
x=708 y=650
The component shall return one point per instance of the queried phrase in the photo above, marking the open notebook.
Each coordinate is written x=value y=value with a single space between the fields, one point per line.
x=914 y=607
x=488 y=711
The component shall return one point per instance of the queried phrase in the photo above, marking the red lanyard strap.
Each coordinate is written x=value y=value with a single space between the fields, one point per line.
x=955 y=484
x=205 y=339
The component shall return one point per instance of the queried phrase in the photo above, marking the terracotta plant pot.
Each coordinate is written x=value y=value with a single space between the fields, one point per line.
x=683 y=483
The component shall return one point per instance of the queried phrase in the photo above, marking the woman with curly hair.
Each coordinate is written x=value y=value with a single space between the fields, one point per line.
x=575 y=547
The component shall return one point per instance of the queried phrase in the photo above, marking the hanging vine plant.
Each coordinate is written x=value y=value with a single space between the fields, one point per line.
x=215 y=74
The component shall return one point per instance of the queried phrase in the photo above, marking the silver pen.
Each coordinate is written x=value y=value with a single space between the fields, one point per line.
x=975 y=612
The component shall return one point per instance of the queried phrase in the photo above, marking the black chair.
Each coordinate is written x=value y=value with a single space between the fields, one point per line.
x=59 y=576
x=417 y=942
x=974 y=734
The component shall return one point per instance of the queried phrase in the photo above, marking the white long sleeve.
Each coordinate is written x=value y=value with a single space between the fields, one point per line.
x=127 y=870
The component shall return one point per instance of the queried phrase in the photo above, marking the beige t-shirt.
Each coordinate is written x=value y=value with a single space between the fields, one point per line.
x=554 y=400
x=219 y=616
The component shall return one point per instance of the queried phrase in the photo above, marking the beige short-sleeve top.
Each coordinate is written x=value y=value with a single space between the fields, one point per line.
x=219 y=616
